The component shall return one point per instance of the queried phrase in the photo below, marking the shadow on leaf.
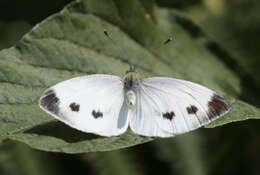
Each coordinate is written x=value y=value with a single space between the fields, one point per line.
x=61 y=131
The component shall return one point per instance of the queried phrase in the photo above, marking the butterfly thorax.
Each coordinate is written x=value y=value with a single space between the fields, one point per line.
x=130 y=83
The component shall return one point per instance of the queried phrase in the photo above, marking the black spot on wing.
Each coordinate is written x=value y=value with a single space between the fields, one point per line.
x=217 y=106
x=74 y=107
x=192 y=109
x=50 y=101
x=97 y=114
x=168 y=115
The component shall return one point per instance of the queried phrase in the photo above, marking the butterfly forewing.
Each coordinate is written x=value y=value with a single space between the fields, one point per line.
x=143 y=116
x=168 y=106
x=90 y=103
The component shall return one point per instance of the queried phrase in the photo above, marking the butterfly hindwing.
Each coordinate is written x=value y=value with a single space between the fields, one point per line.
x=167 y=107
x=91 y=103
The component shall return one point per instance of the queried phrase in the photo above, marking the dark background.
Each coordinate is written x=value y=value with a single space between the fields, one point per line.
x=230 y=149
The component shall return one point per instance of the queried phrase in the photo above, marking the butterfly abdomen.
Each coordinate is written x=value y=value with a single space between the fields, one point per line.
x=131 y=82
x=130 y=98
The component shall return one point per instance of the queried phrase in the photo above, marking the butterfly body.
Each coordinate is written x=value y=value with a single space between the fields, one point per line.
x=158 y=106
x=131 y=84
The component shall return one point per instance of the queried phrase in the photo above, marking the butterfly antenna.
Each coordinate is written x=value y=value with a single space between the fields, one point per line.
x=122 y=51
x=164 y=43
x=167 y=41
x=132 y=68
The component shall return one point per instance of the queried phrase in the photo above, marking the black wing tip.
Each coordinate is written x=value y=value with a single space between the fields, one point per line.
x=50 y=101
x=217 y=106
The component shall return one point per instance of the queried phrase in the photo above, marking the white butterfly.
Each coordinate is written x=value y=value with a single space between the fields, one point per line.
x=157 y=106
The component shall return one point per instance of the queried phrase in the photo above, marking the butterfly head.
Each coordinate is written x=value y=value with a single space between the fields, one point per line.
x=131 y=70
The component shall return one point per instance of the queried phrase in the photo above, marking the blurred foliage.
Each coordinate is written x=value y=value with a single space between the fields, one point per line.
x=9 y=33
x=235 y=26
x=29 y=10
x=230 y=149
x=180 y=4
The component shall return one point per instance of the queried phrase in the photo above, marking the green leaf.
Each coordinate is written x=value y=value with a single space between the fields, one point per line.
x=71 y=43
